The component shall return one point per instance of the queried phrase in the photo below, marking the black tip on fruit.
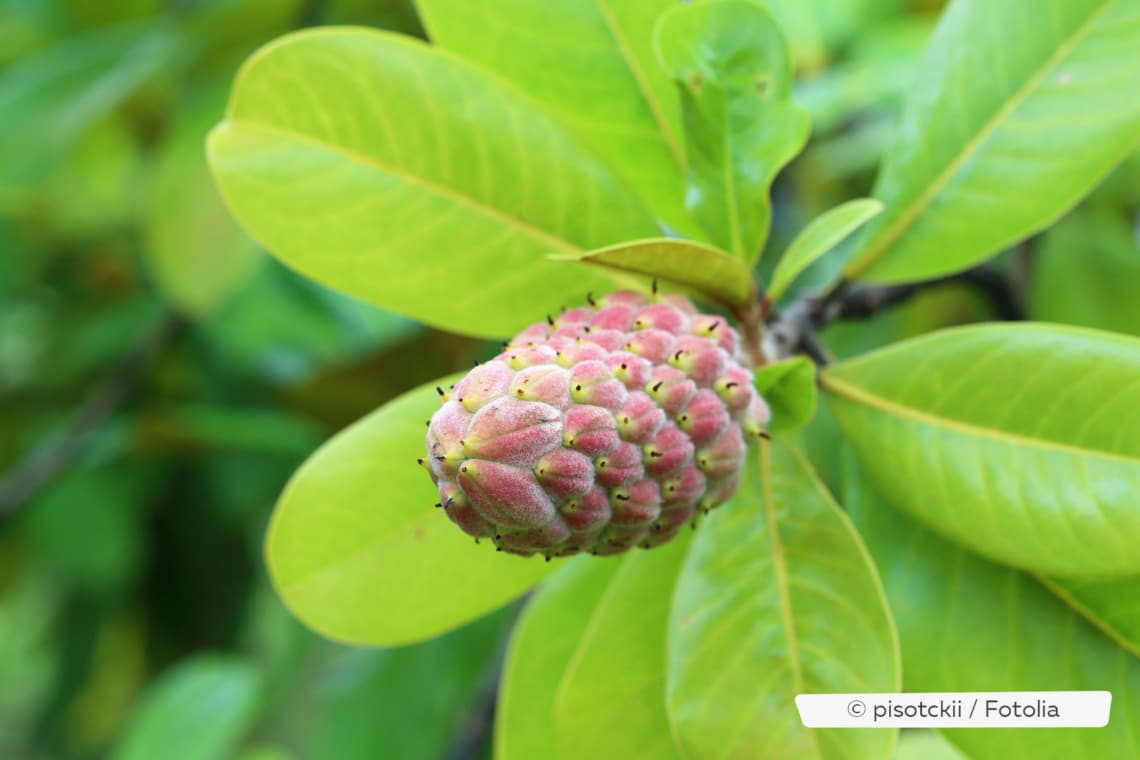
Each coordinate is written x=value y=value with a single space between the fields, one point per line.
x=590 y=298
x=714 y=325
x=550 y=320
x=654 y=286
x=475 y=362
x=657 y=385
x=765 y=435
x=438 y=505
x=439 y=391
x=420 y=461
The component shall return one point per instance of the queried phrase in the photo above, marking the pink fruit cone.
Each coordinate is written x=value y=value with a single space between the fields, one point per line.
x=605 y=427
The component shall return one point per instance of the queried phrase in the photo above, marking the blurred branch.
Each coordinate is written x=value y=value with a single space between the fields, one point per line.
x=796 y=329
x=101 y=401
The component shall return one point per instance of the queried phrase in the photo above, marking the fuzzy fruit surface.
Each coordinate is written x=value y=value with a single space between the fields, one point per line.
x=606 y=428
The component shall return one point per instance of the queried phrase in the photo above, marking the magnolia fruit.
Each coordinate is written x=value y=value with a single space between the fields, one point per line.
x=606 y=428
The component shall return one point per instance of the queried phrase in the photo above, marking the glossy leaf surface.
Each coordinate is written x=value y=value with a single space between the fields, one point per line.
x=1003 y=131
x=591 y=64
x=817 y=239
x=967 y=624
x=542 y=643
x=610 y=701
x=438 y=202
x=731 y=65
x=1016 y=440
x=706 y=270
x=778 y=597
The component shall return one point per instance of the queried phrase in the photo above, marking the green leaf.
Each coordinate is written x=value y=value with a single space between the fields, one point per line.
x=542 y=642
x=358 y=553
x=1111 y=606
x=702 y=268
x=610 y=701
x=967 y=624
x=730 y=62
x=404 y=176
x=1015 y=440
x=590 y=63
x=198 y=710
x=820 y=236
x=778 y=597
x=790 y=391
x=197 y=253
x=1003 y=132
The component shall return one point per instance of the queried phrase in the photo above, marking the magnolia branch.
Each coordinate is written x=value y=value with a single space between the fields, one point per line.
x=796 y=329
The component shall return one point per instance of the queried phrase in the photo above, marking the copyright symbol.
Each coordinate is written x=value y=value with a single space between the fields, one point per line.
x=856 y=709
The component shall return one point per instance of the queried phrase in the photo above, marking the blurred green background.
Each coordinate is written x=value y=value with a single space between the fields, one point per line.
x=161 y=378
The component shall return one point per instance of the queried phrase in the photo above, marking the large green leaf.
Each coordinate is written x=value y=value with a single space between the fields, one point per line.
x=1004 y=130
x=610 y=701
x=590 y=63
x=406 y=177
x=542 y=642
x=1017 y=441
x=731 y=65
x=818 y=238
x=778 y=597
x=708 y=271
x=198 y=710
x=357 y=551
x=197 y=253
x=966 y=624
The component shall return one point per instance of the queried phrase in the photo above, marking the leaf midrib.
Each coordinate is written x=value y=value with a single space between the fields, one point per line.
x=642 y=83
x=862 y=396
x=887 y=238
x=527 y=228
x=780 y=570
x=1087 y=614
